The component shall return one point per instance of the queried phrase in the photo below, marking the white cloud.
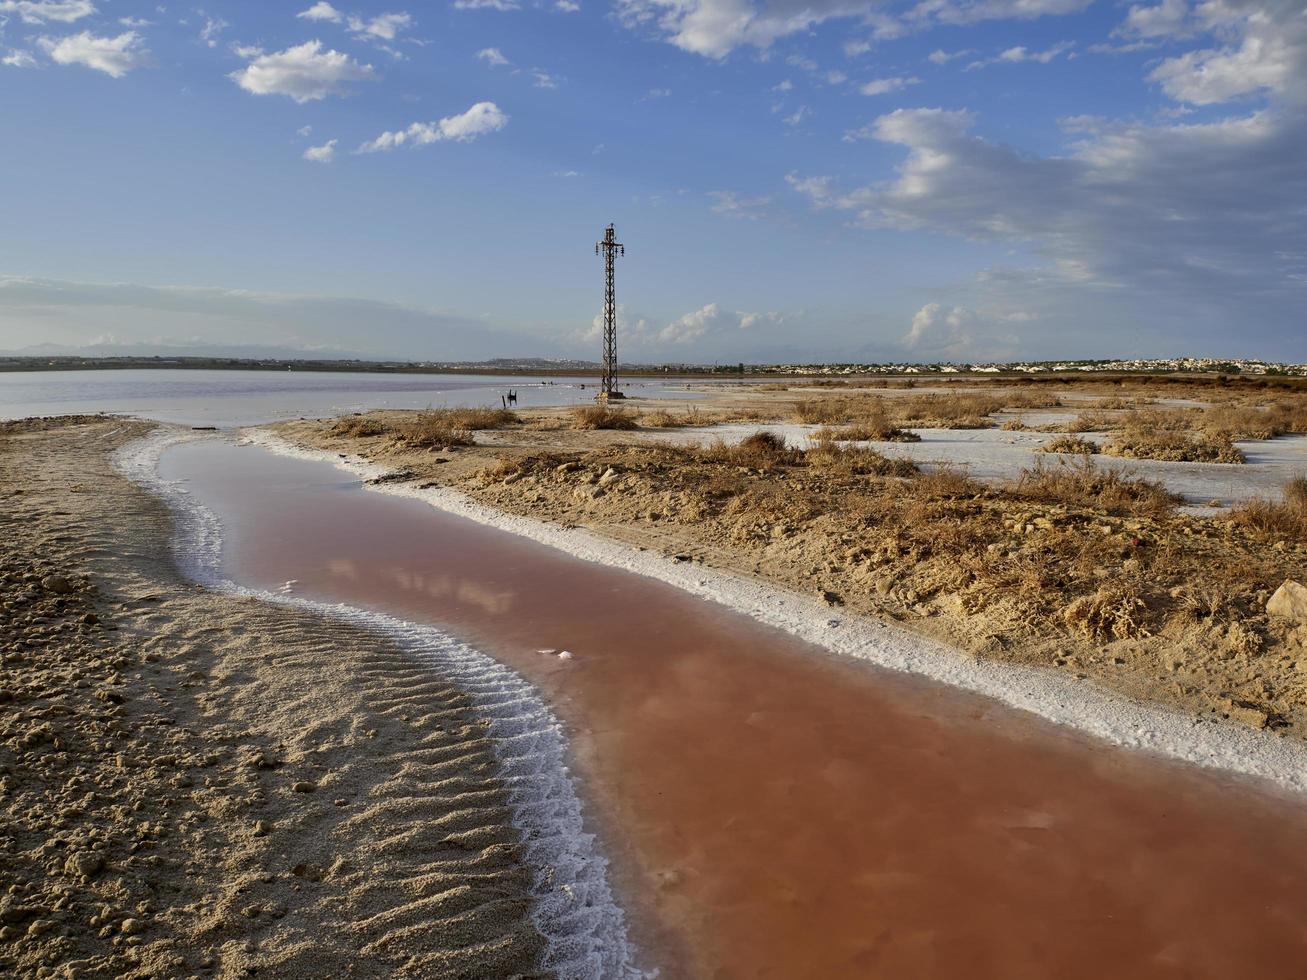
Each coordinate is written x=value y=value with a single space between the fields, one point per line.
x=321 y=154
x=1265 y=51
x=731 y=205
x=1166 y=19
x=1201 y=217
x=939 y=329
x=566 y=173
x=502 y=5
x=44 y=11
x=482 y=118
x=322 y=11
x=710 y=319
x=542 y=79
x=304 y=130
x=942 y=57
x=1017 y=55
x=135 y=22
x=383 y=26
x=883 y=86
x=797 y=116
x=115 y=56
x=715 y=28
x=493 y=57
x=304 y=73
x=18 y=59
x=212 y=28
x=567 y=6
x=783 y=86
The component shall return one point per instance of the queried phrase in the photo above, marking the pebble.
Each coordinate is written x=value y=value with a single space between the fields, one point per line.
x=304 y=786
x=85 y=864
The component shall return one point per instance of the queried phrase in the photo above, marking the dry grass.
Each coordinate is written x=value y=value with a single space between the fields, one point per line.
x=1285 y=519
x=872 y=423
x=856 y=460
x=823 y=411
x=1085 y=484
x=761 y=451
x=661 y=418
x=960 y=411
x=1113 y=612
x=478 y=418
x=434 y=430
x=357 y=427
x=1172 y=446
x=1070 y=445
x=601 y=417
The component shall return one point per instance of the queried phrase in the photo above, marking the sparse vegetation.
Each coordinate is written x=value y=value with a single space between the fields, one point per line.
x=1285 y=519
x=601 y=417
x=357 y=427
x=1085 y=484
x=1173 y=446
x=661 y=418
x=760 y=451
x=434 y=429
x=856 y=460
x=1070 y=445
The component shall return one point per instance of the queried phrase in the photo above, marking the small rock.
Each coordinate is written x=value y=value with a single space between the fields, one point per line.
x=304 y=786
x=1289 y=602
x=130 y=927
x=84 y=864
x=56 y=584
x=260 y=828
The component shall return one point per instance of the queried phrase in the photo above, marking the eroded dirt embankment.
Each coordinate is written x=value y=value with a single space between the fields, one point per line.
x=194 y=783
x=1104 y=579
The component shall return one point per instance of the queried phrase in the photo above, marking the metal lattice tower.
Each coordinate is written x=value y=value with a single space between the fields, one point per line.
x=611 y=249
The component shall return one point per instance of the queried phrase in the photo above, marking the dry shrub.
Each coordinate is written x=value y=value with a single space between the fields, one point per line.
x=1070 y=445
x=1115 y=611
x=661 y=418
x=871 y=423
x=479 y=418
x=1083 y=484
x=960 y=411
x=1091 y=422
x=1256 y=421
x=1172 y=446
x=823 y=411
x=760 y=451
x=948 y=482
x=601 y=417
x=434 y=430
x=1283 y=519
x=856 y=460
x=357 y=427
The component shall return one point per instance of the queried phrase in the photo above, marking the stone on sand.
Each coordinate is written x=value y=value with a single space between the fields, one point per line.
x=1289 y=602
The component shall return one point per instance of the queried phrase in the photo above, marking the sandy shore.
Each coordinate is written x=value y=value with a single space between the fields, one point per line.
x=1054 y=695
x=202 y=783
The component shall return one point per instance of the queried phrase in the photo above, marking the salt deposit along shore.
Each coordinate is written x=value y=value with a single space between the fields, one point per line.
x=199 y=779
x=1048 y=694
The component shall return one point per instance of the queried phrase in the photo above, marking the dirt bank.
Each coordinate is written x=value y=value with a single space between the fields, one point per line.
x=195 y=783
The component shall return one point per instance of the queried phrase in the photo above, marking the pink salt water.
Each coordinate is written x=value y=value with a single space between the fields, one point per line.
x=773 y=811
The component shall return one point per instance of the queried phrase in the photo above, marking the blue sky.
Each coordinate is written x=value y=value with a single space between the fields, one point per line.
x=849 y=179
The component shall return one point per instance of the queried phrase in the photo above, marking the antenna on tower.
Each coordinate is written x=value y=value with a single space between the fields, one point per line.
x=611 y=248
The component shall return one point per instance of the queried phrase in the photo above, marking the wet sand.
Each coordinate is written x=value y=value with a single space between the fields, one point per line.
x=775 y=812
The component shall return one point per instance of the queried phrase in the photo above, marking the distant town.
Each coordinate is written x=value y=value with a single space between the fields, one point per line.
x=561 y=366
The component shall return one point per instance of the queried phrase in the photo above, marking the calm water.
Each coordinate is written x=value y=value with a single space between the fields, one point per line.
x=233 y=398
x=774 y=812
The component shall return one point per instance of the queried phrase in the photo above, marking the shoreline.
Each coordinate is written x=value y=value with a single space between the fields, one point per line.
x=573 y=905
x=1048 y=694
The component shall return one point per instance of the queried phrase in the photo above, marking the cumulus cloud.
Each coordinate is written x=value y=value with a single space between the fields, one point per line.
x=482 y=118
x=1204 y=215
x=115 y=56
x=710 y=319
x=939 y=329
x=715 y=28
x=1017 y=55
x=883 y=86
x=322 y=11
x=45 y=11
x=18 y=59
x=1265 y=52
x=383 y=26
x=321 y=154
x=305 y=72
x=502 y=5
x=493 y=57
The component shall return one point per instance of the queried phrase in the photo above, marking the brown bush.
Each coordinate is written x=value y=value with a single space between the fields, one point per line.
x=856 y=460
x=960 y=411
x=1113 y=612
x=1084 y=484
x=479 y=418
x=661 y=418
x=434 y=430
x=1071 y=445
x=823 y=411
x=1172 y=446
x=601 y=417
x=760 y=451
x=357 y=427
x=1284 y=519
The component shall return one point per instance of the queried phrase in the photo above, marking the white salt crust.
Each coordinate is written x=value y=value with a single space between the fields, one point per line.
x=574 y=909
x=1048 y=693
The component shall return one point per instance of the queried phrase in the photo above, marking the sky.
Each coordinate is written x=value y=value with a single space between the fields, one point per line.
x=853 y=180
